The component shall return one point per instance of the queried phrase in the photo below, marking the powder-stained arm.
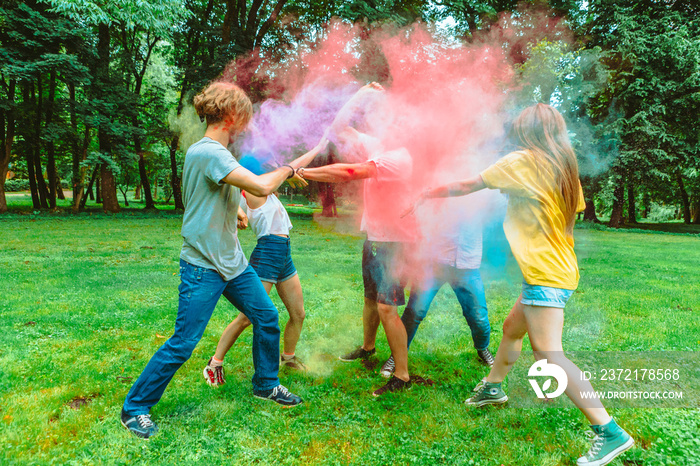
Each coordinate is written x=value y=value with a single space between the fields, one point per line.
x=458 y=188
x=339 y=172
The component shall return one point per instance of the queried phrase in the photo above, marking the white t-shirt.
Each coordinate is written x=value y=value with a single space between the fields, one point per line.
x=387 y=196
x=271 y=218
x=452 y=231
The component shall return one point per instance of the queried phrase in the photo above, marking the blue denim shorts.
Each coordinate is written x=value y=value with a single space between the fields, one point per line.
x=545 y=296
x=272 y=259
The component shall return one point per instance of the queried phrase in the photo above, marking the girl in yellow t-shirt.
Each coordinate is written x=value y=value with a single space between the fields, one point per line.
x=545 y=194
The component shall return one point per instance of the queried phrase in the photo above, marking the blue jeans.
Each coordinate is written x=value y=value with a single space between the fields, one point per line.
x=469 y=289
x=200 y=290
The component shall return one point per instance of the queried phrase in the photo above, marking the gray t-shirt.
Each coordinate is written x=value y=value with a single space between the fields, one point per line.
x=211 y=210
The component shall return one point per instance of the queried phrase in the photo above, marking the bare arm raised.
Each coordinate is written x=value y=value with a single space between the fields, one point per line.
x=268 y=183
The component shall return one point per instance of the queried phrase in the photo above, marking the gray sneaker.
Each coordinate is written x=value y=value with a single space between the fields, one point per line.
x=607 y=443
x=488 y=394
x=139 y=425
x=388 y=368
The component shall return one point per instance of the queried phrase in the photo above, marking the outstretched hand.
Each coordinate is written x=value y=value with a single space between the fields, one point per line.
x=418 y=201
x=297 y=181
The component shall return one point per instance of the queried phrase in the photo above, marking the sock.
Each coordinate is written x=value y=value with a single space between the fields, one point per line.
x=287 y=357
x=216 y=362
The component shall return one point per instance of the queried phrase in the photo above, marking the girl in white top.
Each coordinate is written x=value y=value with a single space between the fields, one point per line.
x=272 y=261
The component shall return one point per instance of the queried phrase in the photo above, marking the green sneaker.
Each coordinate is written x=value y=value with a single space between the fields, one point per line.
x=607 y=443
x=487 y=393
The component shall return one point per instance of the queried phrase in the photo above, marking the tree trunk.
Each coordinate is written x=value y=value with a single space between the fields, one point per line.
x=631 y=205
x=137 y=192
x=8 y=136
x=108 y=184
x=327 y=198
x=589 y=215
x=175 y=182
x=646 y=203
x=50 y=148
x=79 y=172
x=89 y=189
x=37 y=99
x=98 y=185
x=696 y=211
x=27 y=90
x=59 y=190
x=143 y=177
x=684 y=198
x=616 y=217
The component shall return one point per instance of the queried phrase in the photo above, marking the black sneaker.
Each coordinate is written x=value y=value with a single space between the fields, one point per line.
x=358 y=353
x=394 y=384
x=485 y=356
x=139 y=425
x=279 y=395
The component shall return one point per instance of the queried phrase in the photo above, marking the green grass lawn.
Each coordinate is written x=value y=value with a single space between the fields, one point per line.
x=86 y=300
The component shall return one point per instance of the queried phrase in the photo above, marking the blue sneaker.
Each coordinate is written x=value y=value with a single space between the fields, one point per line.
x=279 y=395
x=139 y=425
x=608 y=442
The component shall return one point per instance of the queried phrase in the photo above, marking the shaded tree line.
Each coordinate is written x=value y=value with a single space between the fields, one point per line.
x=89 y=90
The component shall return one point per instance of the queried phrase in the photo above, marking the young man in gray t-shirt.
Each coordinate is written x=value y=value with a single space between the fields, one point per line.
x=211 y=260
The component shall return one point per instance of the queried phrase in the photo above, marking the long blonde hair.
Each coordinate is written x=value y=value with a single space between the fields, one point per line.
x=541 y=130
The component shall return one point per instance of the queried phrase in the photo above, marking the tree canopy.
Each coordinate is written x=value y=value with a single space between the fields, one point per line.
x=90 y=90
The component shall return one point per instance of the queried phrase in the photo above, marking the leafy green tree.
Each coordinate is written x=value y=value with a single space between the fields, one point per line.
x=654 y=91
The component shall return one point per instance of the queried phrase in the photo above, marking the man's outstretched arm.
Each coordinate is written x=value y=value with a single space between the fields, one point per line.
x=339 y=172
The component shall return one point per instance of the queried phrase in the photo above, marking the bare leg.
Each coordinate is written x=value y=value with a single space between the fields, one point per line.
x=514 y=330
x=396 y=335
x=370 y=324
x=544 y=325
x=291 y=295
x=234 y=330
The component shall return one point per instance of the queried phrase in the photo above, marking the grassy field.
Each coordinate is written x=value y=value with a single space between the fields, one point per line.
x=86 y=300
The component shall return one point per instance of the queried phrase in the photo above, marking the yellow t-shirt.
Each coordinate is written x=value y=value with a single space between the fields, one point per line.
x=535 y=225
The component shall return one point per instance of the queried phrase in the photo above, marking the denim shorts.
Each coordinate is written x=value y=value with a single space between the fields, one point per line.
x=545 y=296
x=381 y=266
x=272 y=259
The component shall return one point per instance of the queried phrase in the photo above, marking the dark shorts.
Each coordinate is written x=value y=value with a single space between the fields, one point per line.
x=381 y=270
x=272 y=259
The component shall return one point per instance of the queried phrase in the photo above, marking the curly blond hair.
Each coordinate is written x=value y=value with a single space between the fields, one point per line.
x=220 y=100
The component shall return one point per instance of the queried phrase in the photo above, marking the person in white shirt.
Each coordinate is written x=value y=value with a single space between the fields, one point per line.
x=450 y=250
x=272 y=261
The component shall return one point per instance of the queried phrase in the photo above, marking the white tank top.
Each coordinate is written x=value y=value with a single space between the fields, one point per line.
x=271 y=218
